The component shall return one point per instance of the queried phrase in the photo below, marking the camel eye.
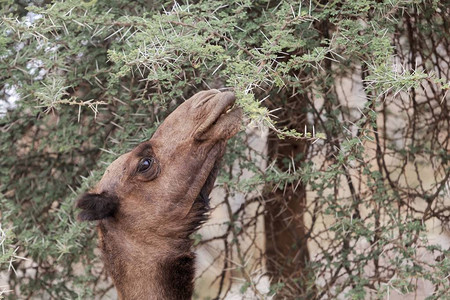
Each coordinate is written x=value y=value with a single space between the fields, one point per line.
x=145 y=164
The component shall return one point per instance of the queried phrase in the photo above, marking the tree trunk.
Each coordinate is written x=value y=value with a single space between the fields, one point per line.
x=286 y=248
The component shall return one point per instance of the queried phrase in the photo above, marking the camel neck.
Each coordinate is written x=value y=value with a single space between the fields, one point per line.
x=159 y=270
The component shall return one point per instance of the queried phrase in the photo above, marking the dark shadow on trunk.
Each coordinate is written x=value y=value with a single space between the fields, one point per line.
x=286 y=247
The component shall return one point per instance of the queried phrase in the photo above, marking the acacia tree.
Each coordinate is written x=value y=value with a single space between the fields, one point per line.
x=348 y=203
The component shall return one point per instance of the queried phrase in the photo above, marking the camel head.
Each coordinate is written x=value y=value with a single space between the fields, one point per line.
x=162 y=185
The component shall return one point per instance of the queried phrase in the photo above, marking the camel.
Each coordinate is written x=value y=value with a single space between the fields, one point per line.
x=151 y=199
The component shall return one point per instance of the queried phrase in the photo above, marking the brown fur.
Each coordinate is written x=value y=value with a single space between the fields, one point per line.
x=147 y=214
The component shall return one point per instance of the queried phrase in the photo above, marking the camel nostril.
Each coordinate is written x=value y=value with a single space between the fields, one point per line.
x=205 y=96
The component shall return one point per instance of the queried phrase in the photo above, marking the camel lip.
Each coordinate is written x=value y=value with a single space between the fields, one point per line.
x=229 y=110
x=225 y=113
x=227 y=107
x=224 y=106
x=208 y=184
x=205 y=191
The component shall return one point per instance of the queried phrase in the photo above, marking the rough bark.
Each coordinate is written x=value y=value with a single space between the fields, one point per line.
x=286 y=248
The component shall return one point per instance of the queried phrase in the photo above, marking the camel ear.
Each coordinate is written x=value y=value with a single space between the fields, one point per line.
x=97 y=206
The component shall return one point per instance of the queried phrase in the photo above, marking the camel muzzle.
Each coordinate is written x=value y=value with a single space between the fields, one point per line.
x=223 y=121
